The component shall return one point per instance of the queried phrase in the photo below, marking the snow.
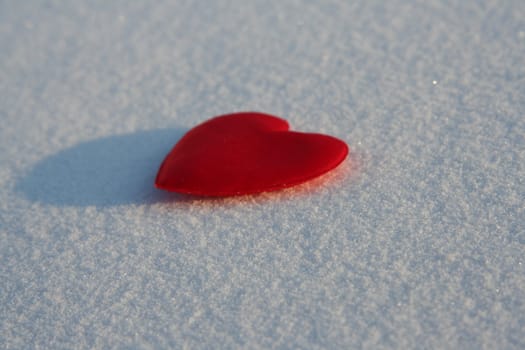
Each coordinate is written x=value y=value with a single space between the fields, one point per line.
x=416 y=241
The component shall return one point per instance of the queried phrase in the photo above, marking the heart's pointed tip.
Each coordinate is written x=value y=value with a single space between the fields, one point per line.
x=340 y=148
x=346 y=149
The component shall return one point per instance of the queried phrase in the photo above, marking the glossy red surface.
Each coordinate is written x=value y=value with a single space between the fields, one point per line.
x=244 y=153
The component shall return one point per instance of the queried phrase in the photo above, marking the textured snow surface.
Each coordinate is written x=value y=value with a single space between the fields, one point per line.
x=416 y=241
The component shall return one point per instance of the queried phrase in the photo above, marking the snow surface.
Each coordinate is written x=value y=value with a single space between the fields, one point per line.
x=416 y=241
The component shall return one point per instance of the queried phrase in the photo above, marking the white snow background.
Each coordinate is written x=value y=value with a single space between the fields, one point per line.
x=416 y=241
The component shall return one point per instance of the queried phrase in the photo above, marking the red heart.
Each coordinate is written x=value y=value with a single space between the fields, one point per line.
x=244 y=153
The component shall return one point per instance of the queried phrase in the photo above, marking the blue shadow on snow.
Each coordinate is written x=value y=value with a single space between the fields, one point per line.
x=109 y=171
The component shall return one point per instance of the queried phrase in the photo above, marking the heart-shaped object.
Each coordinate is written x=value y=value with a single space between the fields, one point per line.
x=244 y=153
